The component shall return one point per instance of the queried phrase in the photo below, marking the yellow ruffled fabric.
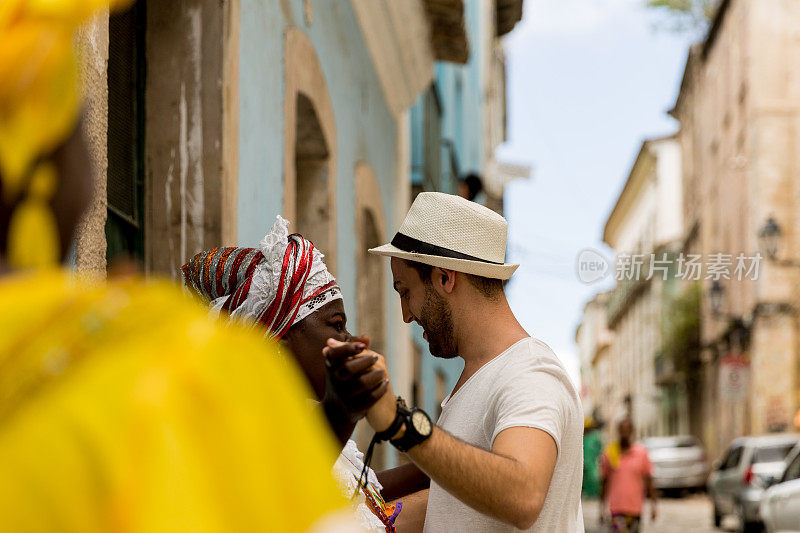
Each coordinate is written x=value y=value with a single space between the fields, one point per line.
x=39 y=89
x=33 y=231
x=39 y=107
x=124 y=408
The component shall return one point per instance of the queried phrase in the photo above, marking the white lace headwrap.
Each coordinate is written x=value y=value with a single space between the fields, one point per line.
x=290 y=283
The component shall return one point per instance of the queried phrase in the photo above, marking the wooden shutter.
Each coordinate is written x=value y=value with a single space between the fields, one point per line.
x=125 y=225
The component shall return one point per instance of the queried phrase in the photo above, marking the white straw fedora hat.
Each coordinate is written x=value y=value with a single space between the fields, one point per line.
x=451 y=232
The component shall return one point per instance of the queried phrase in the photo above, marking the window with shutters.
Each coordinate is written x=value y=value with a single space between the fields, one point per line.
x=126 y=48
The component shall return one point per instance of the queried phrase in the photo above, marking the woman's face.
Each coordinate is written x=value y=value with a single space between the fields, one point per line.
x=307 y=338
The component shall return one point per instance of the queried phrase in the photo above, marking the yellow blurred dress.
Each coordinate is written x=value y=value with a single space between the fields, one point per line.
x=124 y=408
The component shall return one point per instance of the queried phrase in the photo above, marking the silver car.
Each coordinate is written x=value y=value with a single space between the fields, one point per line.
x=737 y=482
x=679 y=462
x=780 y=506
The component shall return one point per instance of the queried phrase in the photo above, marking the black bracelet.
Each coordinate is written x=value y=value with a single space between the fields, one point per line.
x=381 y=436
x=393 y=428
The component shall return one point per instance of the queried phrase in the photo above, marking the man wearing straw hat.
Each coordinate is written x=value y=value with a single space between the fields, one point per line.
x=506 y=452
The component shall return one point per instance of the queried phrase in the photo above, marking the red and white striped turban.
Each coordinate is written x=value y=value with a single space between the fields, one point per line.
x=275 y=285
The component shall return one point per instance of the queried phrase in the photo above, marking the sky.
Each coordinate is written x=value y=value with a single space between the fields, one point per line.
x=587 y=81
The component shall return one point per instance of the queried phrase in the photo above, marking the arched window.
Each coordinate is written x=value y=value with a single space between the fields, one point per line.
x=309 y=185
x=371 y=306
x=370 y=228
x=370 y=276
x=311 y=161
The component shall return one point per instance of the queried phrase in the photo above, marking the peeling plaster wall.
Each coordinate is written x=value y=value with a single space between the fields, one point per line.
x=90 y=257
x=188 y=133
x=184 y=124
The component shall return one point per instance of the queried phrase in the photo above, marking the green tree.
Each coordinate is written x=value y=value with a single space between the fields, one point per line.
x=686 y=14
x=681 y=333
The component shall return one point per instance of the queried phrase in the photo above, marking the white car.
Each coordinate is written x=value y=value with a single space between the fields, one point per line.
x=739 y=479
x=679 y=462
x=780 y=506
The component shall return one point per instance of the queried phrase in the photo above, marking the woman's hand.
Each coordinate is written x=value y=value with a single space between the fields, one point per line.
x=353 y=381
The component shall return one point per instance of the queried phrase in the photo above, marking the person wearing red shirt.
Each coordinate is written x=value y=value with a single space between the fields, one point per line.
x=626 y=473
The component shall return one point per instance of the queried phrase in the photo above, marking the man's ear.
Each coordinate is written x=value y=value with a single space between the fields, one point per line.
x=444 y=281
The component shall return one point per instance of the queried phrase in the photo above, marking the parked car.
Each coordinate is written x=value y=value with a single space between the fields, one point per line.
x=679 y=462
x=737 y=482
x=780 y=506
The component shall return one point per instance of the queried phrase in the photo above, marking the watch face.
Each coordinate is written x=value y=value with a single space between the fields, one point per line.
x=421 y=423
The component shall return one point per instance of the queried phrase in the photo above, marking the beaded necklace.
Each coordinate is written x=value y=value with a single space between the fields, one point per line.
x=386 y=513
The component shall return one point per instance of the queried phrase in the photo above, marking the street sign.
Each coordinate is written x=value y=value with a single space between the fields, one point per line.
x=734 y=375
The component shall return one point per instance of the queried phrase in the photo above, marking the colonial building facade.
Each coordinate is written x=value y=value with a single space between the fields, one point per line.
x=728 y=358
x=599 y=386
x=644 y=229
x=739 y=116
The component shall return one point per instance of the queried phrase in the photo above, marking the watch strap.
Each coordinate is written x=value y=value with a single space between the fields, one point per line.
x=406 y=442
x=394 y=427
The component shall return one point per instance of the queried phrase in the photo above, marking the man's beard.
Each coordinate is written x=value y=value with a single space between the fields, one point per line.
x=437 y=320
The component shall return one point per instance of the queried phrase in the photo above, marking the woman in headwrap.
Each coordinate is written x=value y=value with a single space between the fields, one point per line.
x=284 y=289
x=122 y=406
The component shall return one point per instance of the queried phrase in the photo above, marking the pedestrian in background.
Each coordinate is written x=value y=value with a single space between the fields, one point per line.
x=592 y=448
x=471 y=188
x=626 y=472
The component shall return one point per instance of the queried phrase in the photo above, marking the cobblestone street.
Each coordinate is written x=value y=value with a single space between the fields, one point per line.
x=676 y=515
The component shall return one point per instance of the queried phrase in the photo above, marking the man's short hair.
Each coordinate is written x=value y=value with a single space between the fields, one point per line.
x=488 y=287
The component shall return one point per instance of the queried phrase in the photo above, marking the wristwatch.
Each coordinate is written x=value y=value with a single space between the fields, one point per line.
x=418 y=426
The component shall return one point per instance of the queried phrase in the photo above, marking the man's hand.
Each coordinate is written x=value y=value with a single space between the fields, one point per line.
x=653 y=512
x=382 y=414
x=353 y=381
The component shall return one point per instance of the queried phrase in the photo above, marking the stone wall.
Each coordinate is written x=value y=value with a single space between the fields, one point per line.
x=90 y=249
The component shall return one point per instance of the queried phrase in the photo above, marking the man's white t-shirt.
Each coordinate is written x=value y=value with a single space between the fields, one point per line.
x=525 y=386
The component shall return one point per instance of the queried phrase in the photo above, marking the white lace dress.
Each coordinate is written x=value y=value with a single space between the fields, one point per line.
x=346 y=470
